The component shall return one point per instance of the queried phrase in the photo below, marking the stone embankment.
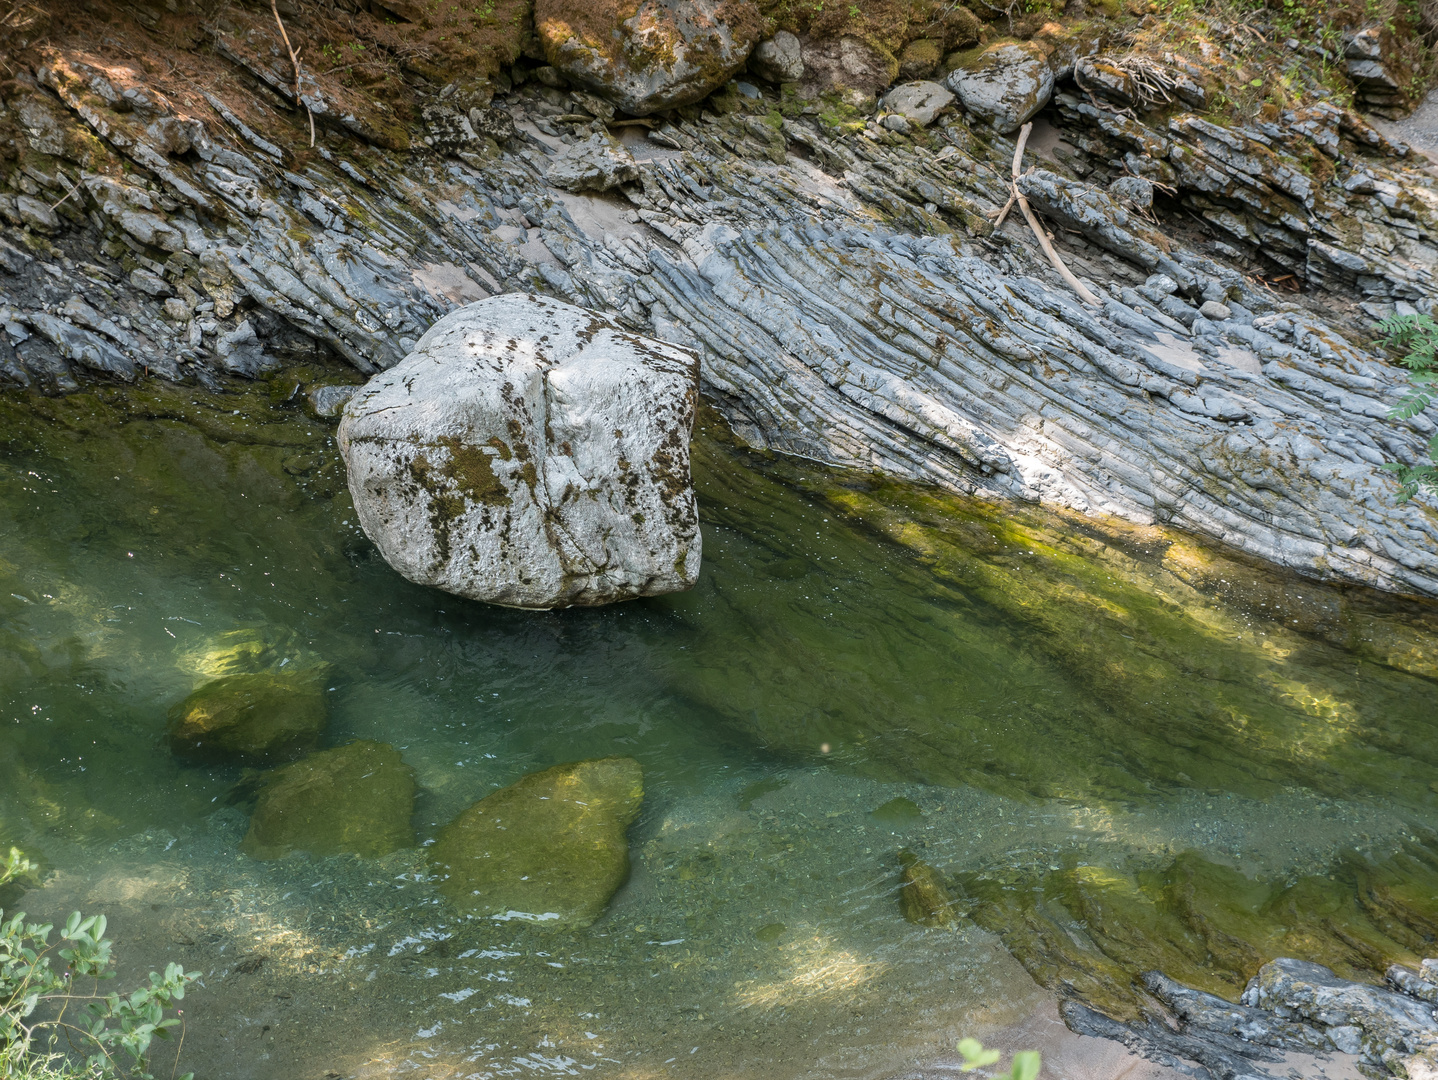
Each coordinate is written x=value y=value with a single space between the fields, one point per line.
x=832 y=259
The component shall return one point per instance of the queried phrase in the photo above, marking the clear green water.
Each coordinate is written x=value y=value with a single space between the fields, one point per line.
x=1052 y=696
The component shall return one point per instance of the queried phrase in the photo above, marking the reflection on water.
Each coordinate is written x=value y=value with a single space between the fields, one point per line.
x=1026 y=701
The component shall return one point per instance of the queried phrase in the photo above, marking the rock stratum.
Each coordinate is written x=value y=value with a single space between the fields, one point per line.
x=839 y=273
x=530 y=453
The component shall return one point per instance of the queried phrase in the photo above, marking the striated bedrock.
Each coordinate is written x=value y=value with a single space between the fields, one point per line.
x=845 y=287
x=530 y=453
x=648 y=55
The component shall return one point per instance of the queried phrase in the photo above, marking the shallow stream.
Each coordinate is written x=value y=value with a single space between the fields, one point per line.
x=1107 y=737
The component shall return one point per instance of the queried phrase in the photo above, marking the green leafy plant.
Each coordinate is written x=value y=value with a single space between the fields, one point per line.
x=49 y=1030
x=1417 y=335
x=1025 y=1065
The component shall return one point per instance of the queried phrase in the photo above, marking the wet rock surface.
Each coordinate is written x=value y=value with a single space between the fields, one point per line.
x=257 y=719
x=354 y=800
x=1289 y=1006
x=530 y=453
x=549 y=849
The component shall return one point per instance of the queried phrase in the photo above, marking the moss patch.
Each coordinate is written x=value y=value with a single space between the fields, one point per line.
x=355 y=799
x=1092 y=931
x=550 y=848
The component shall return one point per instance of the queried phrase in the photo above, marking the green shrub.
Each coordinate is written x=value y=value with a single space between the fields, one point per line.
x=49 y=1030
x=1418 y=336
x=1025 y=1065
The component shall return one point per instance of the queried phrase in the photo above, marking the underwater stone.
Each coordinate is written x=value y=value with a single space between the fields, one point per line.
x=530 y=453
x=261 y=718
x=923 y=896
x=549 y=849
x=354 y=799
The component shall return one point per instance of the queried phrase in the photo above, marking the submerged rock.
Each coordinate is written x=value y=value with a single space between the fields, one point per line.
x=923 y=896
x=550 y=848
x=354 y=799
x=261 y=718
x=530 y=453
x=667 y=53
x=1005 y=85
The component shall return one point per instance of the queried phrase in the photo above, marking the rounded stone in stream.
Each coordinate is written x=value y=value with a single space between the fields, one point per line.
x=530 y=453
x=897 y=811
x=923 y=896
x=549 y=849
x=260 y=718
x=354 y=799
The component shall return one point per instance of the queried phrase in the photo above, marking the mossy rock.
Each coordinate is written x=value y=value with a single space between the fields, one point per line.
x=1094 y=930
x=924 y=898
x=355 y=799
x=260 y=718
x=550 y=848
x=921 y=58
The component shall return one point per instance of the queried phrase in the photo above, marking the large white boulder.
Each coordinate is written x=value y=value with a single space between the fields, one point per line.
x=530 y=453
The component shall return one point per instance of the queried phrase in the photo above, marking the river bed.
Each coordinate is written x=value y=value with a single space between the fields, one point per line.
x=1021 y=698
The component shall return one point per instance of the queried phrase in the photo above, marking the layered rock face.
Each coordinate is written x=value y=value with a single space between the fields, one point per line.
x=530 y=453
x=842 y=281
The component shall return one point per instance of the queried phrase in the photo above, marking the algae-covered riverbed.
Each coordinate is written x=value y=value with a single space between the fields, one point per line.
x=1120 y=750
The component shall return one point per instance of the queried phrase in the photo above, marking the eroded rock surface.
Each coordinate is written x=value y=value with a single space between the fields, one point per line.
x=354 y=799
x=549 y=849
x=530 y=453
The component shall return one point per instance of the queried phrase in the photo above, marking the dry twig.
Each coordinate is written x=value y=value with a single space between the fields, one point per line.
x=1043 y=238
x=294 y=60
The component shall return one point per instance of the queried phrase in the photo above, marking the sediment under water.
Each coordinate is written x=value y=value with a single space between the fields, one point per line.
x=1122 y=750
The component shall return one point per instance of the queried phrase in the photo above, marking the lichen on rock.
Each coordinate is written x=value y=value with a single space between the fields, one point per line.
x=549 y=849
x=530 y=453
x=354 y=799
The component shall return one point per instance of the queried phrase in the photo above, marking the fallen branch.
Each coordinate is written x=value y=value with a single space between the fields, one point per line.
x=1058 y=264
x=295 y=61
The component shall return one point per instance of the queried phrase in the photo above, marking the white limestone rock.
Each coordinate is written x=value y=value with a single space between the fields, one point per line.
x=530 y=453
x=1005 y=85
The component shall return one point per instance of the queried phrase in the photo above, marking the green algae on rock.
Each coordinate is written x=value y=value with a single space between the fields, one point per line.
x=550 y=848
x=354 y=799
x=923 y=896
x=258 y=718
x=1091 y=932
x=897 y=811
